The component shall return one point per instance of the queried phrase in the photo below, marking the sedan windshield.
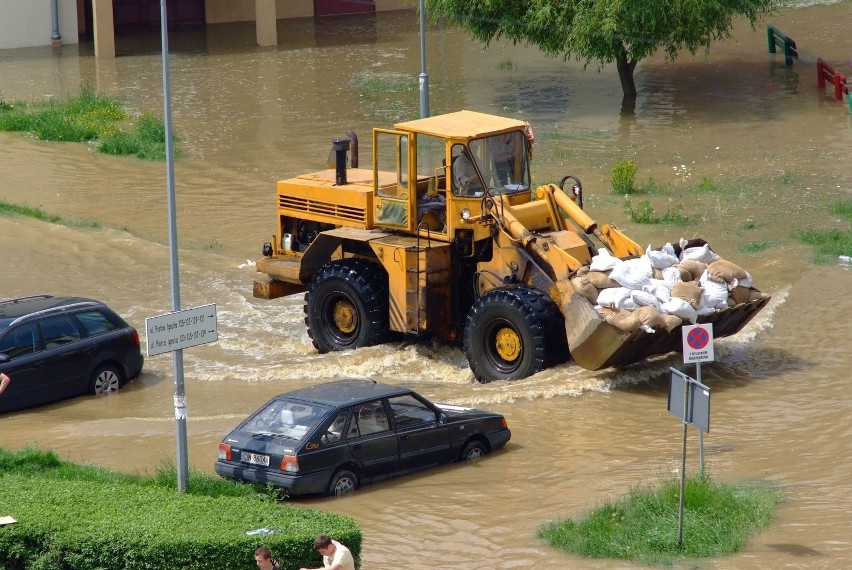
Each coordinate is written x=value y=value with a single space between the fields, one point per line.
x=287 y=419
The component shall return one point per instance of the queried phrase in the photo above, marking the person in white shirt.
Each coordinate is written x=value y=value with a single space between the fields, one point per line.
x=335 y=556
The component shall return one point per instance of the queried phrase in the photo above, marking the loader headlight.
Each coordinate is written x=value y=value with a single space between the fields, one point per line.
x=465 y=214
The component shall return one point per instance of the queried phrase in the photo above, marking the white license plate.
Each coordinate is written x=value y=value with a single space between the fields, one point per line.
x=256 y=459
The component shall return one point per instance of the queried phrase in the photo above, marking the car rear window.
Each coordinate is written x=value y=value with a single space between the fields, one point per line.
x=95 y=322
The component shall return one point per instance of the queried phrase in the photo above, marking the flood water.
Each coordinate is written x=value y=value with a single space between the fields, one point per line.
x=776 y=147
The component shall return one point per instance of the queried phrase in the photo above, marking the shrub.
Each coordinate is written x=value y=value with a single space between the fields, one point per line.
x=623 y=177
x=88 y=117
x=644 y=213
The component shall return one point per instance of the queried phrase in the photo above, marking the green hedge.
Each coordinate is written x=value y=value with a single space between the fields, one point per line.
x=84 y=518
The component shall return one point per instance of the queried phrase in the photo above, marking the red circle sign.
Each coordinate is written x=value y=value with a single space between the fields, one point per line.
x=697 y=338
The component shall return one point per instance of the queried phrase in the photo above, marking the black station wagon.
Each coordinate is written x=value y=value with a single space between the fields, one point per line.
x=330 y=438
x=54 y=348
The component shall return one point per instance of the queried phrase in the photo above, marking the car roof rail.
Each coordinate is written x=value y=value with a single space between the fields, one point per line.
x=27 y=298
x=60 y=309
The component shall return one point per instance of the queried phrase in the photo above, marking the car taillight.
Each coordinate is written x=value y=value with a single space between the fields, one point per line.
x=225 y=451
x=136 y=338
x=505 y=423
x=290 y=464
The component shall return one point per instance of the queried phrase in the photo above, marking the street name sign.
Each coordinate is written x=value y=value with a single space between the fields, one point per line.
x=181 y=329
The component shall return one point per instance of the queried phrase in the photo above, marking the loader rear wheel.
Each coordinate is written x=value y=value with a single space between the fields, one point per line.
x=510 y=332
x=346 y=305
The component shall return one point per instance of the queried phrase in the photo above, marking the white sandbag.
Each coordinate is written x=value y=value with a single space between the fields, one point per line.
x=603 y=261
x=671 y=275
x=614 y=297
x=660 y=259
x=701 y=253
x=633 y=273
x=715 y=294
x=645 y=299
x=747 y=282
x=669 y=249
x=660 y=289
x=680 y=308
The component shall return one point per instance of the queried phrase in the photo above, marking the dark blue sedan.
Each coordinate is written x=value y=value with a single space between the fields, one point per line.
x=331 y=438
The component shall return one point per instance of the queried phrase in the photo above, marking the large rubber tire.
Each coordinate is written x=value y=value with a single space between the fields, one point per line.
x=346 y=306
x=510 y=332
x=343 y=482
x=106 y=379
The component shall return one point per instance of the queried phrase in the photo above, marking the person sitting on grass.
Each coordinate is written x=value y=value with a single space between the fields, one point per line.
x=335 y=556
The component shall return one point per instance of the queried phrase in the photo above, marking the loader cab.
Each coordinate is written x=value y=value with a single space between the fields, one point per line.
x=422 y=182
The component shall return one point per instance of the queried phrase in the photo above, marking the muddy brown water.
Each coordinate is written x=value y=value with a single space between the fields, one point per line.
x=777 y=148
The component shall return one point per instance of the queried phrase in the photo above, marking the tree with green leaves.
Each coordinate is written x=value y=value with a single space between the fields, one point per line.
x=623 y=31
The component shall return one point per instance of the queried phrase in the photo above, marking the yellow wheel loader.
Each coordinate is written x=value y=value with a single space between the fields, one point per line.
x=443 y=236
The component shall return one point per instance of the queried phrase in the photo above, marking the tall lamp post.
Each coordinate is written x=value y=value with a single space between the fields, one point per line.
x=424 y=77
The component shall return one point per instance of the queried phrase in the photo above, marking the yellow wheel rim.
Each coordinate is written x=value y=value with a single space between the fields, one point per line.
x=345 y=317
x=508 y=344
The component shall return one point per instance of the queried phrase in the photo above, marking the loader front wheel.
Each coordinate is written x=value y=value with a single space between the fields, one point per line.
x=509 y=332
x=346 y=306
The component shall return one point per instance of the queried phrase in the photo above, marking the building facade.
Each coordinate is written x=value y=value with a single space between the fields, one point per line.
x=29 y=24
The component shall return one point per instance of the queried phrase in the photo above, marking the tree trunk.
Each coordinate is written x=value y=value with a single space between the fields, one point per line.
x=625 y=73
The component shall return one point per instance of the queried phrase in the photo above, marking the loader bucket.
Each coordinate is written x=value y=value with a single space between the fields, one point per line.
x=596 y=344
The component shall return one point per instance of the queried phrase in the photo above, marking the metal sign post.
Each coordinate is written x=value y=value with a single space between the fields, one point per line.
x=424 y=77
x=180 y=396
x=690 y=401
x=698 y=348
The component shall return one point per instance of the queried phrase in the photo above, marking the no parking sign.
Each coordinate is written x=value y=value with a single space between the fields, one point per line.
x=698 y=343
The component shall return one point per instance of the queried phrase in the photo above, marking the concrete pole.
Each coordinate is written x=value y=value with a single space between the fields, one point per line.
x=266 y=22
x=103 y=28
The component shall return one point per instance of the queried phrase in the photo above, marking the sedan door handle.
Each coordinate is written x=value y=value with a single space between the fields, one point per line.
x=356 y=446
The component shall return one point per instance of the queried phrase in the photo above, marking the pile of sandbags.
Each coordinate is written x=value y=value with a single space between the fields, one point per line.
x=662 y=288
